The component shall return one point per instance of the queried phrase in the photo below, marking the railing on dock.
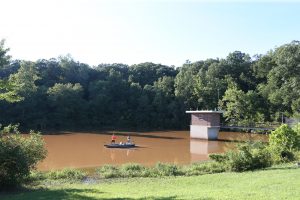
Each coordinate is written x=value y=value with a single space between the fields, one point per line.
x=266 y=127
x=249 y=128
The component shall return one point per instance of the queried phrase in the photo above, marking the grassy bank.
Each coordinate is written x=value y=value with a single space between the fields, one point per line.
x=274 y=183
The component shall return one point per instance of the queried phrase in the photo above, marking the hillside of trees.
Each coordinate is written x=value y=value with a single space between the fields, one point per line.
x=62 y=93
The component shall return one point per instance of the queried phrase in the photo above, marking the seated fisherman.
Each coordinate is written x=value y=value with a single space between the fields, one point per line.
x=128 y=139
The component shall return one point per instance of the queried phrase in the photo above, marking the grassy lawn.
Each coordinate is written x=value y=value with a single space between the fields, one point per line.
x=276 y=183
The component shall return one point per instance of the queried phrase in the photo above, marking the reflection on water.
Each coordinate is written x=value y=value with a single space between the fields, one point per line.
x=200 y=149
x=235 y=136
x=86 y=150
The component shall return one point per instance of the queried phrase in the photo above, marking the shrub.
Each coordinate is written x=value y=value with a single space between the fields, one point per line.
x=36 y=176
x=70 y=174
x=283 y=142
x=296 y=128
x=248 y=156
x=261 y=158
x=108 y=171
x=204 y=168
x=218 y=157
x=134 y=170
x=67 y=174
x=162 y=169
x=137 y=170
x=285 y=137
x=18 y=155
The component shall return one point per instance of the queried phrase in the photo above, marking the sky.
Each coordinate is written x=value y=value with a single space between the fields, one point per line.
x=134 y=31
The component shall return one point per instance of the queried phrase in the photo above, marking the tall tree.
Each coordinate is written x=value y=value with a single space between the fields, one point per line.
x=8 y=92
x=4 y=58
x=67 y=105
x=185 y=82
x=148 y=73
x=7 y=88
x=26 y=77
x=282 y=87
x=242 y=108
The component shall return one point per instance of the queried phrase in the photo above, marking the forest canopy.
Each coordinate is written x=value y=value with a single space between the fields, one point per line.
x=61 y=93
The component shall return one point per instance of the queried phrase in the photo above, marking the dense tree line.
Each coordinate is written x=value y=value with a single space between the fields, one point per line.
x=65 y=94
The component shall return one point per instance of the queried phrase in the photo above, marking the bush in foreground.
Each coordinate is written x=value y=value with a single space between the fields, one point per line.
x=164 y=169
x=134 y=170
x=248 y=156
x=284 y=142
x=70 y=174
x=159 y=170
x=109 y=171
x=284 y=146
x=203 y=168
x=18 y=155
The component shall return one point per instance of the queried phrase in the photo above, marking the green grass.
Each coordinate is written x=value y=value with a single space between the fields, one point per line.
x=130 y=170
x=279 y=182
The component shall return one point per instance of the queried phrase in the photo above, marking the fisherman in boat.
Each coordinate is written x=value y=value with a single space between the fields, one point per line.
x=128 y=139
x=127 y=144
x=113 y=139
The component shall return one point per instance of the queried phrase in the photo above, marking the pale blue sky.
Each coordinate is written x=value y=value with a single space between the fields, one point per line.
x=134 y=31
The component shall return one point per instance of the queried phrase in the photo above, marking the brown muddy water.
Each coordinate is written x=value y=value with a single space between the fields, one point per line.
x=86 y=150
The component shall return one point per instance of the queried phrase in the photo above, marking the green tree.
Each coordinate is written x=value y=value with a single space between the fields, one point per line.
x=67 y=105
x=4 y=58
x=242 y=108
x=18 y=155
x=238 y=67
x=145 y=108
x=50 y=72
x=30 y=109
x=7 y=88
x=25 y=78
x=284 y=141
x=209 y=88
x=282 y=88
x=8 y=92
x=148 y=73
x=168 y=111
x=185 y=82
x=74 y=72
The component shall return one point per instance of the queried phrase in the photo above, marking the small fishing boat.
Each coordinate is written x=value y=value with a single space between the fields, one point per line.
x=122 y=145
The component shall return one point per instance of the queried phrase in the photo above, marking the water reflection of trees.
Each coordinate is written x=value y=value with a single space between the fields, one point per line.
x=241 y=137
x=205 y=147
x=226 y=141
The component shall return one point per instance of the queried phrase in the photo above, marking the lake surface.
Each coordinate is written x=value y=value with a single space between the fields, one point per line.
x=86 y=150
